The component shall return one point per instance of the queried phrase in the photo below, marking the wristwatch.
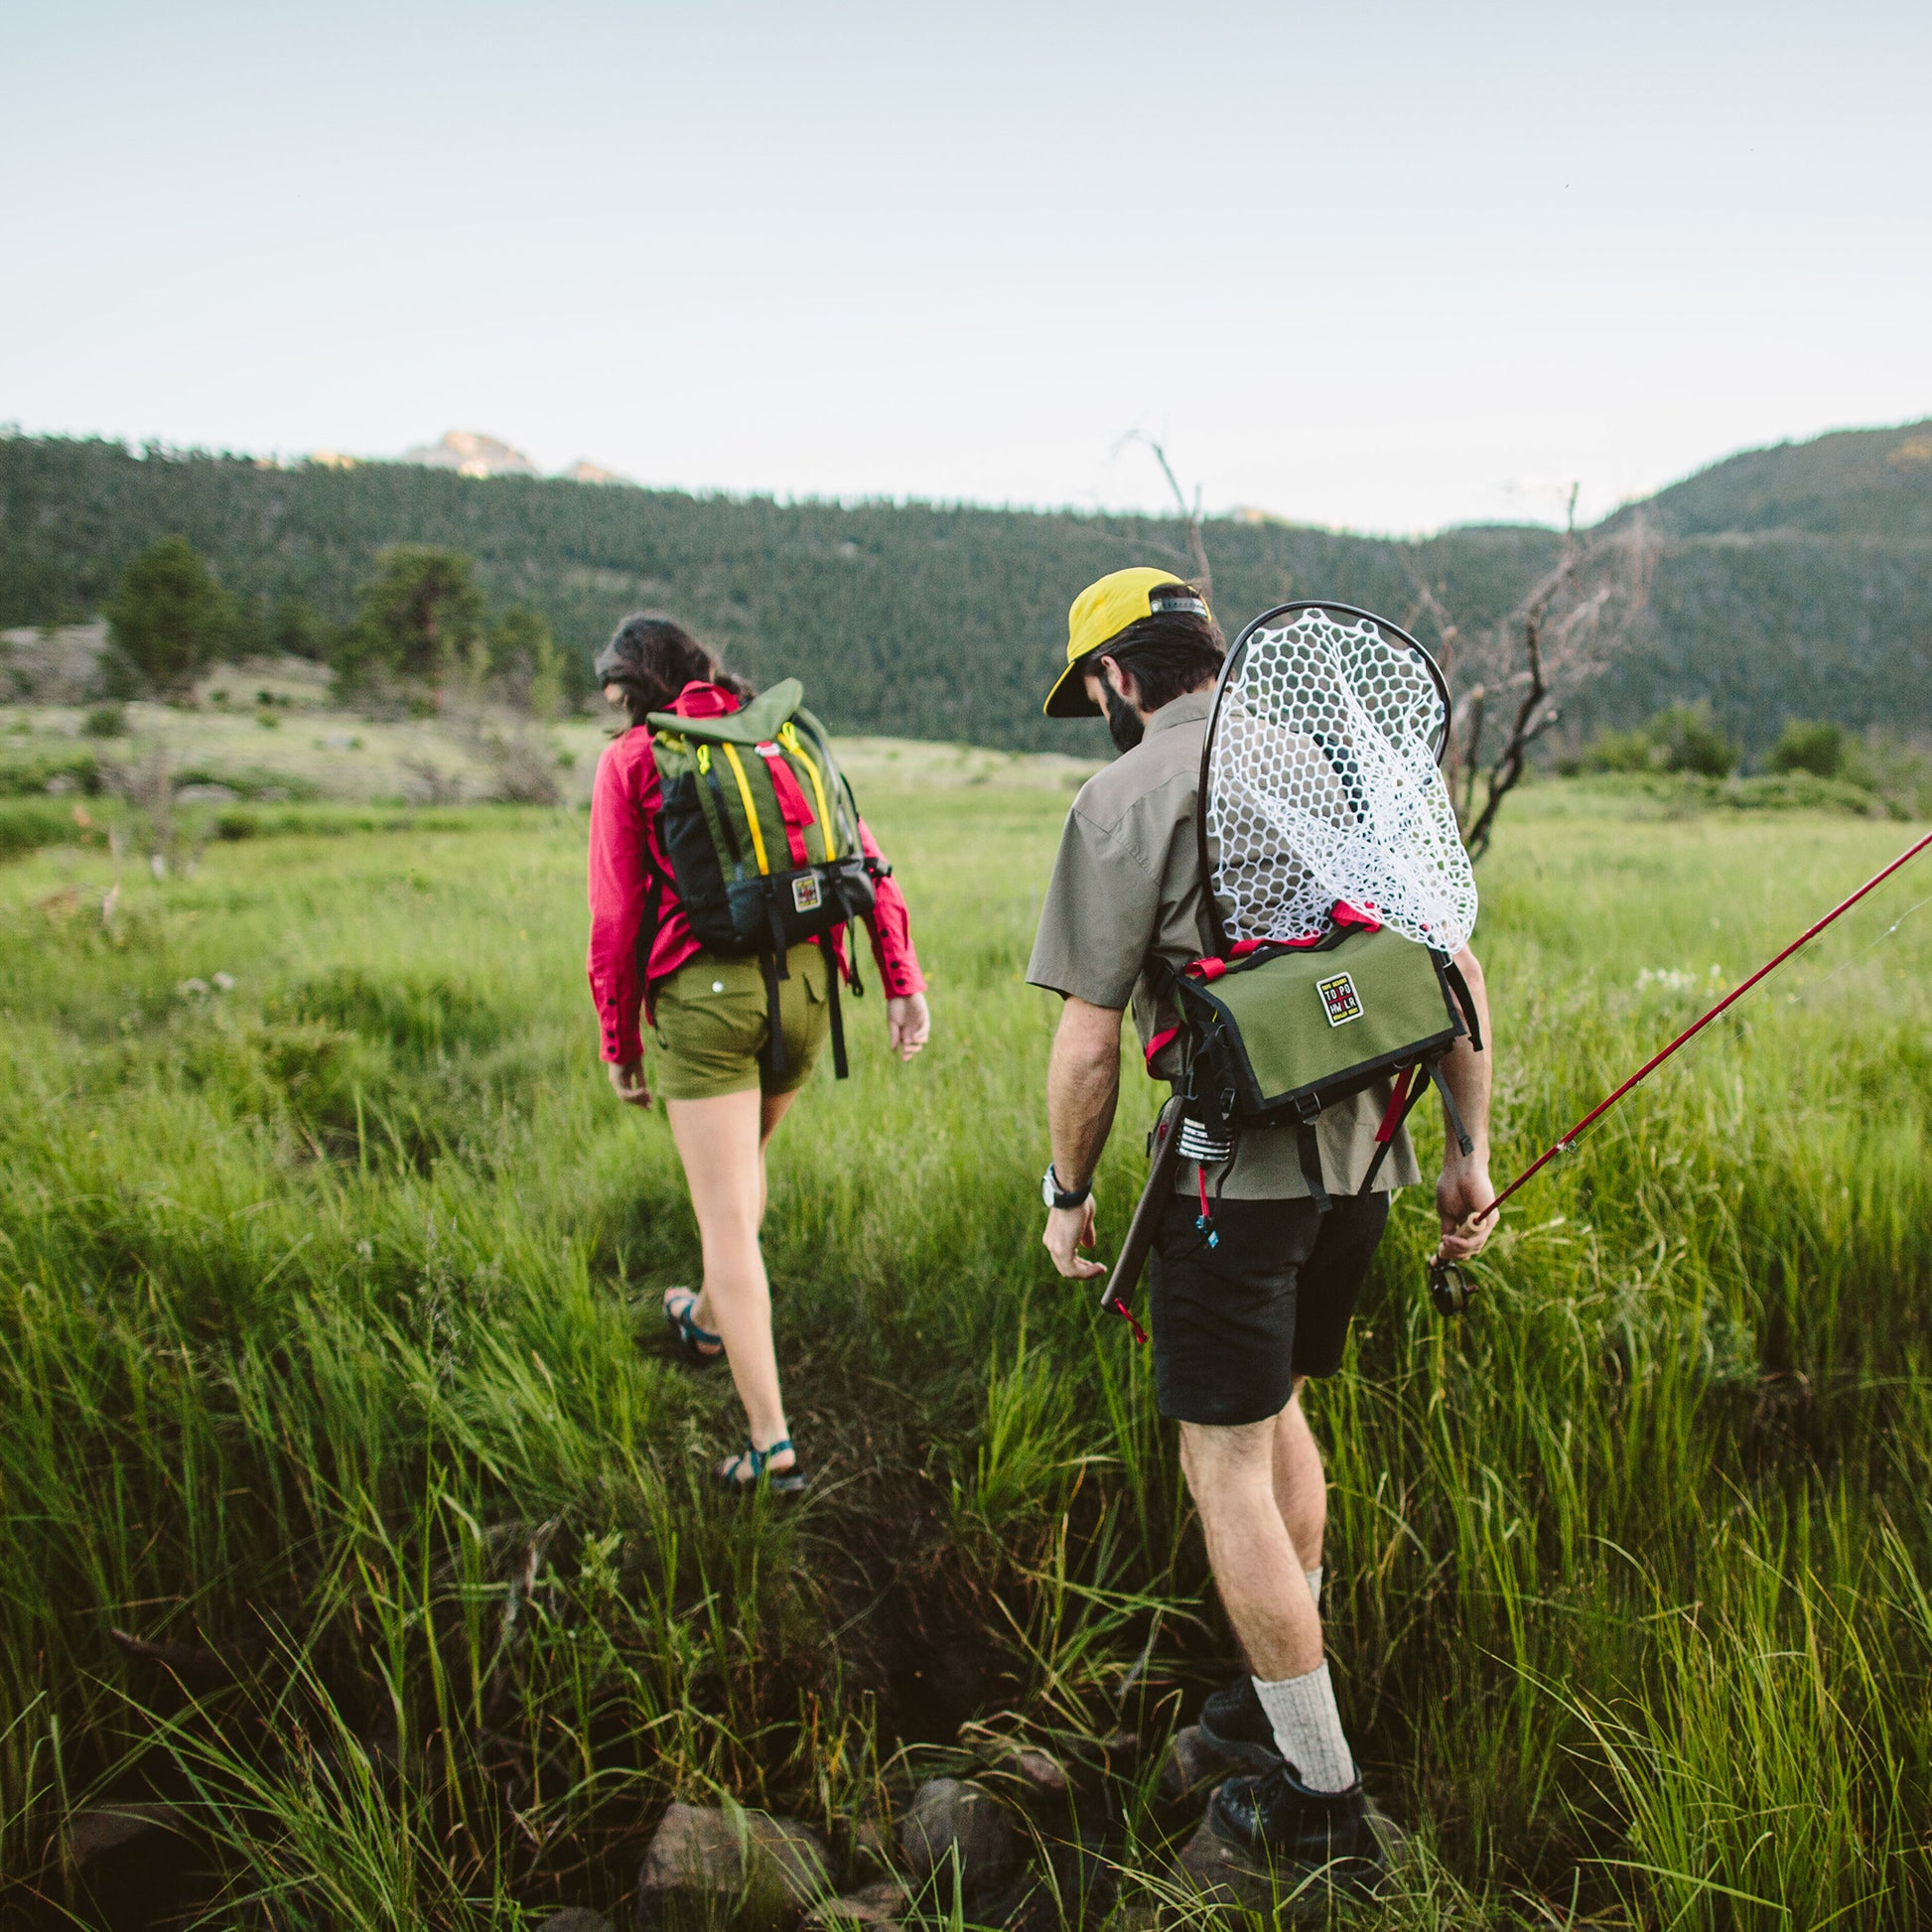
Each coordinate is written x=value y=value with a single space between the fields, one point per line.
x=1054 y=1195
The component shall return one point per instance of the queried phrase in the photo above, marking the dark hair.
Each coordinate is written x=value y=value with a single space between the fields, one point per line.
x=651 y=658
x=1169 y=654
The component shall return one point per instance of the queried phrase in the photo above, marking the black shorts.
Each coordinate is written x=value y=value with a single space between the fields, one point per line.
x=1235 y=1324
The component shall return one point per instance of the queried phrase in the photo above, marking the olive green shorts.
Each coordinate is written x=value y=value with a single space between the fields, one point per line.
x=713 y=1019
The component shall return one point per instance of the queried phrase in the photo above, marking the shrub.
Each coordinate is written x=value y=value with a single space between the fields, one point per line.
x=1688 y=738
x=52 y=771
x=1613 y=750
x=1807 y=744
x=106 y=721
x=168 y=621
x=1683 y=738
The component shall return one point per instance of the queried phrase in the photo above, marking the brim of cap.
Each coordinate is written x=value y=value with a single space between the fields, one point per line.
x=1068 y=697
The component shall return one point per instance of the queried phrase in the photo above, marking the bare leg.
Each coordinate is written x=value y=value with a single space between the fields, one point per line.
x=722 y=1145
x=1257 y=1569
x=1301 y=1485
x=775 y=1108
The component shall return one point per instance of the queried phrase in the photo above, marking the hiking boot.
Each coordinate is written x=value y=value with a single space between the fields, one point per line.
x=1233 y=1724
x=1277 y=1823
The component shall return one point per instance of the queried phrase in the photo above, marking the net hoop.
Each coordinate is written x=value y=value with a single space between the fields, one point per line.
x=1396 y=849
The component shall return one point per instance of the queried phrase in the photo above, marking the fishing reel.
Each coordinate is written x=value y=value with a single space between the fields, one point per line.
x=1450 y=1289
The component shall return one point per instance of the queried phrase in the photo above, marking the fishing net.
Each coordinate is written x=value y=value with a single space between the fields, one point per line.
x=1321 y=785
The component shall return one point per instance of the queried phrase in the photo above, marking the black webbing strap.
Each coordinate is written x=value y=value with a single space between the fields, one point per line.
x=1461 y=988
x=774 y=1027
x=1451 y=1112
x=839 y=1067
x=1409 y=1105
x=777 y=928
x=1309 y=1148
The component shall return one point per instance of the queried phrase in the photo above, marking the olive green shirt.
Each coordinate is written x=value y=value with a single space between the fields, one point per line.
x=1127 y=894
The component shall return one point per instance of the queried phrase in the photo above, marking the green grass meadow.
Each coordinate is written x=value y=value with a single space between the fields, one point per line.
x=328 y=1312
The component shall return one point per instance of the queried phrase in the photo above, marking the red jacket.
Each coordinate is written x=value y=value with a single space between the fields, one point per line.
x=625 y=806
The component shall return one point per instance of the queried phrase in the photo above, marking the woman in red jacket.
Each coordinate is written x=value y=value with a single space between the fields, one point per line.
x=712 y=1019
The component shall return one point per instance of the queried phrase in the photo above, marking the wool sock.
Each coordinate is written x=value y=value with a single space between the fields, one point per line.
x=1315 y=1583
x=1307 y=1728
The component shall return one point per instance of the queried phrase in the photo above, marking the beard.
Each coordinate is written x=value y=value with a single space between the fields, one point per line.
x=1124 y=724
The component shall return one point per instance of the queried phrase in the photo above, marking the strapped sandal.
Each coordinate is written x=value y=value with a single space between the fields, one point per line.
x=699 y=1346
x=781 y=1482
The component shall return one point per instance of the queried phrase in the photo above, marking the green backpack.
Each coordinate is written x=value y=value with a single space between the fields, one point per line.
x=1278 y=1031
x=761 y=832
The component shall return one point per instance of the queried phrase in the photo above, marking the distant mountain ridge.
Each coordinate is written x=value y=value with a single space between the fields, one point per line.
x=1863 y=483
x=1795 y=581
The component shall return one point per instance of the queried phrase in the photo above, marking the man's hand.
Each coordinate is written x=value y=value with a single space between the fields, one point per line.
x=908 y=1024
x=628 y=1082
x=1069 y=1229
x=1463 y=1194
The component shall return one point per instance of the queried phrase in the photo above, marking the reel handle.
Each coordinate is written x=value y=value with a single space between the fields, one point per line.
x=1450 y=1289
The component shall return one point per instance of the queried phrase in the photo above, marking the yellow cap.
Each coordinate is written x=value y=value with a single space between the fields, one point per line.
x=1101 y=613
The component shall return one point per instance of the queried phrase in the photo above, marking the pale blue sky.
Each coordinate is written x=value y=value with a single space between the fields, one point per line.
x=1382 y=265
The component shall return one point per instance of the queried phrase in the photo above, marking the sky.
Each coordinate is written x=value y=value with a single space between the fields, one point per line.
x=1385 y=266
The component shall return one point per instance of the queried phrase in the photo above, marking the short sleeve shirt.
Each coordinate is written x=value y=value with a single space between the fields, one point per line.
x=1127 y=898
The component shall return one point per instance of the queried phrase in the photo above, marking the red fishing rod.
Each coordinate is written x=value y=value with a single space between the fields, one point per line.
x=1448 y=1288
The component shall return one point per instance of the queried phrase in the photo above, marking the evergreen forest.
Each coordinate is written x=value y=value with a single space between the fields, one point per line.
x=1793 y=582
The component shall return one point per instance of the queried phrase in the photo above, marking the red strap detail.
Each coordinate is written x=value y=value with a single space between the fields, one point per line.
x=1200 y=1174
x=1128 y=1316
x=792 y=804
x=1154 y=1044
x=1344 y=915
x=699 y=699
x=1392 y=1119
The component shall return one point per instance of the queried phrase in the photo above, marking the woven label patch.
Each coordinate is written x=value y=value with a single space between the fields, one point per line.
x=806 y=895
x=1339 y=999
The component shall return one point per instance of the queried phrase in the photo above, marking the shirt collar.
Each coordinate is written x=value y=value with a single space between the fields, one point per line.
x=1190 y=710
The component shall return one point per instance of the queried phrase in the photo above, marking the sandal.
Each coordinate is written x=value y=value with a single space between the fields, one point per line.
x=699 y=1346
x=781 y=1482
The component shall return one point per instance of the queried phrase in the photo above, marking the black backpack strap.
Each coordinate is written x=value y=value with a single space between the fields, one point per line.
x=1309 y=1150
x=774 y=1029
x=1409 y=1105
x=1451 y=1111
x=776 y=924
x=840 y=1068
x=1461 y=988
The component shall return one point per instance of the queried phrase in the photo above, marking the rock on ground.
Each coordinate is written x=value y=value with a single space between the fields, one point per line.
x=949 y=1816
x=703 y=1851
x=93 y=1835
x=131 y=1859
x=1040 y=1769
x=880 y=1904
x=575 y=1918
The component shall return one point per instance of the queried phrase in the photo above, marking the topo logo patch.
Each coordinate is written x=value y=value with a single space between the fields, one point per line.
x=807 y=894
x=1339 y=999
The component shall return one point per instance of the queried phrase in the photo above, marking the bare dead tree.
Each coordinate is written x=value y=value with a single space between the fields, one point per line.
x=1563 y=633
x=1190 y=513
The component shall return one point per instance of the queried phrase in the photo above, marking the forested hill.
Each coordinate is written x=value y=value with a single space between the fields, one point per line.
x=945 y=622
x=1858 y=483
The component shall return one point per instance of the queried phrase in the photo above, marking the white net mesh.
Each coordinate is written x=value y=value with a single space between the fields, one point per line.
x=1322 y=785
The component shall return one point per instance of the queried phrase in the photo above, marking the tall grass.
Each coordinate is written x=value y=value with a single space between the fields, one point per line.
x=326 y=1312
